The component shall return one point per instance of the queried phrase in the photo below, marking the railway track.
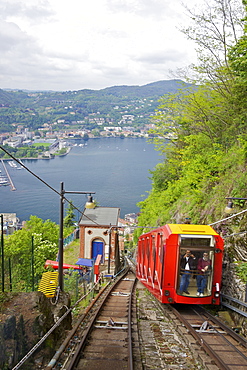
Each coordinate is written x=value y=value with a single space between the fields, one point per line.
x=103 y=339
x=224 y=347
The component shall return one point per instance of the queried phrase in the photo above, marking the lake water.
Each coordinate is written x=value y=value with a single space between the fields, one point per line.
x=117 y=170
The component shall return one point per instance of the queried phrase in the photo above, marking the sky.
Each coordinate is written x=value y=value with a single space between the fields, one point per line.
x=71 y=45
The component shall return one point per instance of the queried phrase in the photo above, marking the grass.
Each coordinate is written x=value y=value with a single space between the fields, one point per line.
x=39 y=144
x=71 y=252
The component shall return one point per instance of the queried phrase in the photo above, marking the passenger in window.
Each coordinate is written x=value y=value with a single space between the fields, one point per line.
x=204 y=267
x=187 y=266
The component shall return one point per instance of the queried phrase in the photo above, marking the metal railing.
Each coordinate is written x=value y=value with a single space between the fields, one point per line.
x=70 y=238
x=233 y=308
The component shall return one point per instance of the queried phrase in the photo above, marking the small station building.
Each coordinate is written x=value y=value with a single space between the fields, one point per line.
x=98 y=232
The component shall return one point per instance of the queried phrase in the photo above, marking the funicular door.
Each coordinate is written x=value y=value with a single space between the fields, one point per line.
x=196 y=265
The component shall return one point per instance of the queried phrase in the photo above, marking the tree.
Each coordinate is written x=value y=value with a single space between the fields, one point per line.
x=95 y=132
x=215 y=28
x=202 y=110
x=37 y=133
x=18 y=248
x=213 y=107
x=206 y=127
x=70 y=215
x=238 y=64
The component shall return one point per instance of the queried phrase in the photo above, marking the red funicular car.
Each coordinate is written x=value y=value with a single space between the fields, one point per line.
x=181 y=263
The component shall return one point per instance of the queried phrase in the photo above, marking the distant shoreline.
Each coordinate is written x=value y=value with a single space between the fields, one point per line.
x=81 y=170
x=31 y=158
x=69 y=148
x=38 y=158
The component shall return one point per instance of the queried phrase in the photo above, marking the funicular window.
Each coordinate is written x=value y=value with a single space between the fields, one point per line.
x=143 y=248
x=153 y=247
x=147 y=248
x=146 y=257
x=160 y=263
x=196 y=262
x=153 y=254
x=140 y=251
x=142 y=254
x=194 y=242
x=161 y=248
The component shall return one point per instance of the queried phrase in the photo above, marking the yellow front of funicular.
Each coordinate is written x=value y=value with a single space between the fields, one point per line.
x=192 y=229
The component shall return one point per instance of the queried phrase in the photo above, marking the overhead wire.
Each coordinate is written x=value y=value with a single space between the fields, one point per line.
x=228 y=218
x=58 y=193
x=45 y=183
x=82 y=213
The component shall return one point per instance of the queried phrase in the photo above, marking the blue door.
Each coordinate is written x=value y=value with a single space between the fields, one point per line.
x=97 y=248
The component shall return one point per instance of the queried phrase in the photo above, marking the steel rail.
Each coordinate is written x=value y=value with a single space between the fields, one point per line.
x=82 y=344
x=217 y=359
x=199 y=340
x=229 y=331
x=130 y=345
x=241 y=303
x=40 y=342
x=235 y=309
x=65 y=343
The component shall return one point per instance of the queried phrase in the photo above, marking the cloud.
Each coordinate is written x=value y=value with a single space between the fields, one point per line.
x=51 y=44
x=157 y=9
x=11 y=36
x=31 y=10
x=161 y=56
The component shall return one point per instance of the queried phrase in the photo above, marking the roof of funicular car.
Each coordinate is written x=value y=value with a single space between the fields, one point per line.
x=191 y=229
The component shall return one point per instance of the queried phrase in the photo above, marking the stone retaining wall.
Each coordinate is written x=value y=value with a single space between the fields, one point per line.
x=24 y=321
x=232 y=285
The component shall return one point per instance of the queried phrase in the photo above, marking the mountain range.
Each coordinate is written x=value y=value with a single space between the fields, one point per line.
x=151 y=90
x=110 y=106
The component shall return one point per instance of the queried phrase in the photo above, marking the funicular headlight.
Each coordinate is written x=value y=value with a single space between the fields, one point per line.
x=217 y=292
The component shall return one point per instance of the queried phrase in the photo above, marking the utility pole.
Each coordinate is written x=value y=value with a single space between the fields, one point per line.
x=2 y=252
x=109 y=252
x=60 y=242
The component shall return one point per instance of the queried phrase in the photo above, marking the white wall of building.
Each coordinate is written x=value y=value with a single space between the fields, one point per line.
x=92 y=234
